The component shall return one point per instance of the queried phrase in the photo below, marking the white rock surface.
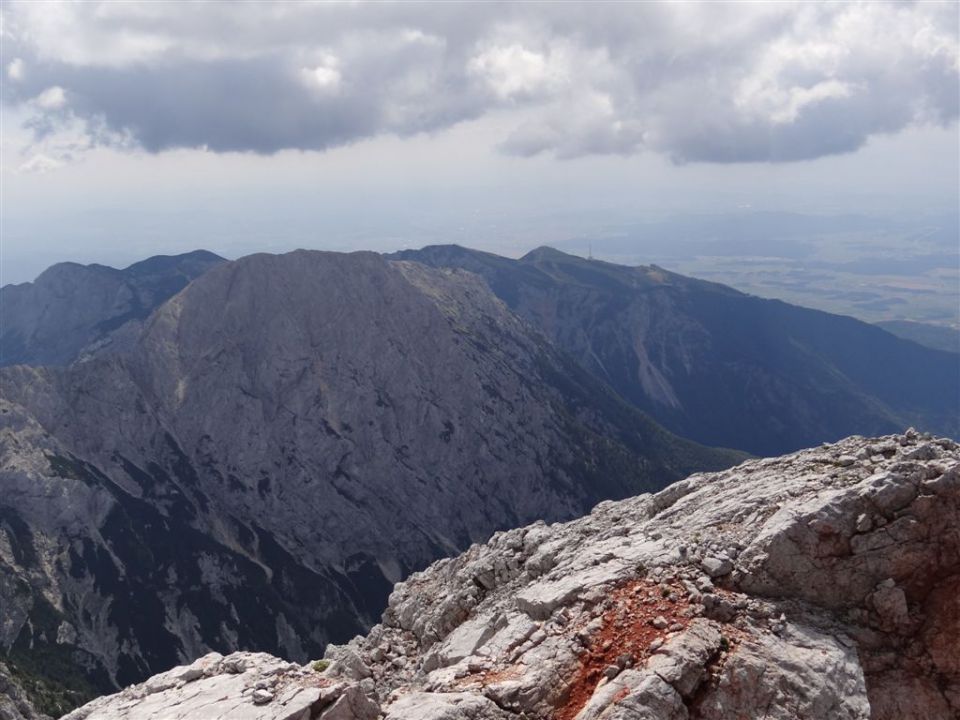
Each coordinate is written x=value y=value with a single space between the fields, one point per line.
x=616 y=616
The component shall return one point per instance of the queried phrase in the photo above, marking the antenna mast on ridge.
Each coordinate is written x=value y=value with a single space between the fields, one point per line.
x=590 y=251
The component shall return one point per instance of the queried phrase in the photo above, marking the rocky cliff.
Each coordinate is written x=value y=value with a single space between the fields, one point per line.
x=824 y=584
x=716 y=365
x=286 y=438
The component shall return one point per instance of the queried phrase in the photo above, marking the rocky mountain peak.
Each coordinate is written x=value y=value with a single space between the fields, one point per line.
x=825 y=583
x=545 y=252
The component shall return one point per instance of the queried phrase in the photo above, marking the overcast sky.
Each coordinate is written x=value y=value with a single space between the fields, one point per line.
x=132 y=129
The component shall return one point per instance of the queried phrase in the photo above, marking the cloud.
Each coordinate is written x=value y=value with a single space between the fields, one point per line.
x=513 y=71
x=53 y=98
x=324 y=77
x=41 y=164
x=16 y=69
x=697 y=82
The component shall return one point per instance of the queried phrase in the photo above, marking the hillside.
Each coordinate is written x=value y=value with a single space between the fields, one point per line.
x=719 y=366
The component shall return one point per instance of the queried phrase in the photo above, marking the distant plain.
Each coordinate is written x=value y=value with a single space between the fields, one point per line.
x=890 y=272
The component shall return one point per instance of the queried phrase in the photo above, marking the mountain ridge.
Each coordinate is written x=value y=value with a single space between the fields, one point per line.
x=718 y=365
x=72 y=308
x=286 y=437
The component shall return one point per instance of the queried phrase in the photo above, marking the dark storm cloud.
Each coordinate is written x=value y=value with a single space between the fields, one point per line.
x=258 y=105
x=716 y=83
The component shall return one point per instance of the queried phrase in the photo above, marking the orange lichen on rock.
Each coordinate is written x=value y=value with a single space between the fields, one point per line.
x=641 y=612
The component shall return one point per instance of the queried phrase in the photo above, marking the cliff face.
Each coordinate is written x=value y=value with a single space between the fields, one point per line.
x=287 y=437
x=719 y=366
x=824 y=584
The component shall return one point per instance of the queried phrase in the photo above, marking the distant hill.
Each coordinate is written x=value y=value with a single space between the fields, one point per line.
x=931 y=336
x=71 y=307
x=716 y=365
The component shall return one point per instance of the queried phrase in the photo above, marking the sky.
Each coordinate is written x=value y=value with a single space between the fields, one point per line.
x=131 y=129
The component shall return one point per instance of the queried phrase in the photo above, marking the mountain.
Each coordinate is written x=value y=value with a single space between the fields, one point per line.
x=932 y=336
x=716 y=365
x=281 y=441
x=72 y=307
x=823 y=584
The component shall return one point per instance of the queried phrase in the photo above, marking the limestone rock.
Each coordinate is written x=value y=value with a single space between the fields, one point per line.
x=242 y=685
x=622 y=625
x=445 y=706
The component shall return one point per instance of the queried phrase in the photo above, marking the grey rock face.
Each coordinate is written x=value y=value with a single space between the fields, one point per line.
x=816 y=619
x=72 y=309
x=287 y=437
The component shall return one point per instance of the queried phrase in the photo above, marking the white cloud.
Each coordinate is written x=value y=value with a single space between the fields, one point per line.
x=325 y=76
x=593 y=125
x=514 y=71
x=783 y=105
x=53 y=98
x=41 y=164
x=91 y=33
x=16 y=69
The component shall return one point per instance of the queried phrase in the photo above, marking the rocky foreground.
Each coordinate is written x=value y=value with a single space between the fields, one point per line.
x=824 y=584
